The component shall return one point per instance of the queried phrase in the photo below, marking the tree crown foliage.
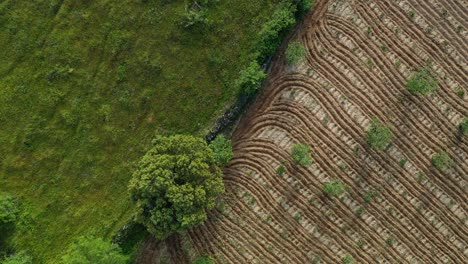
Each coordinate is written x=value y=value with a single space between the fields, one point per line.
x=203 y=260
x=222 y=149
x=422 y=82
x=301 y=154
x=295 y=52
x=176 y=182
x=334 y=187
x=378 y=135
x=90 y=250
x=442 y=161
x=251 y=78
x=9 y=209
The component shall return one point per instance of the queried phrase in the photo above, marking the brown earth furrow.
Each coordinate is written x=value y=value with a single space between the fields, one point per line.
x=276 y=214
x=264 y=169
x=414 y=33
x=304 y=200
x=397 y=48
x=328 y=107
x=430 y=16
x=428 y=161
x=340 y=83
x=309 y=184
x=390 y=80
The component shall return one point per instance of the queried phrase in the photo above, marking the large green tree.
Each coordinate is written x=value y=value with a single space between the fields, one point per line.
x=176 y=182
x=90 y=250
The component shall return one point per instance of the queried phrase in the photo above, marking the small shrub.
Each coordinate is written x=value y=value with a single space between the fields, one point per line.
x=251 y=78
x=301 y=154
x=295 y=53
x=403 y=162
x=442 y=161
x=348 y=259
x=369 y=197
x=460 y=92
x=378 y=135
x=203 y=260
x=334 y=187
x=463 y=126
x=360 y=211
x=303 y=6
x=222 y=148
x=390 y=241
x=280 y=170
x=422 y=82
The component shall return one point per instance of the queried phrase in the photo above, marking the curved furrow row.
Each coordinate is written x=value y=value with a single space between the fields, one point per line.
x=428 y=18
x=283 y=110
x=331 y=107
x=382 y=92
x=338 y=210
x=344 y=84
x=264 y=200
x=412 y=59
x=414 y=33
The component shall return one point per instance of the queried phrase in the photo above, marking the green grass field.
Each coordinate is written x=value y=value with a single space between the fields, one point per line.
x=85 y=85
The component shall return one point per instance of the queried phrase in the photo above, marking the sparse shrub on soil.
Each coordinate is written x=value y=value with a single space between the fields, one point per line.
x=177 y=180
x=422 y=82
x=463 y=126
x=369 y=197
x=222 y=148
x=90 y=250
x=295 y=53
x=460 y=92
x=251 y=78
x=280 y=170
x=203 y=260
x=18 y=258
x=348 y=259
x=301 y=154
x=378 y=135
x=334 y=187
x=442 y=161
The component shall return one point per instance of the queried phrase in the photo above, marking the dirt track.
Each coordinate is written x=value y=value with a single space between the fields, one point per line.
x=360 y=54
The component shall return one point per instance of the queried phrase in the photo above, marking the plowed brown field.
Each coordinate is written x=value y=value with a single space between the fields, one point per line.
x=360 y=54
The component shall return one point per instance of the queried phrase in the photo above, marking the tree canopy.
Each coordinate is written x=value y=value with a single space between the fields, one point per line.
x=176 y=182
x=295 y=52
x=18 y=258
x=90 y=250
x=334 y=187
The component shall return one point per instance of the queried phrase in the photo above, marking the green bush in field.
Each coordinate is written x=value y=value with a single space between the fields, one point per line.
x=222 y=149
x=176 y=181
x=251 y=78
x=90 y=250
x=422 y=82
x=379 y=135
x=463 y=126
x=295 y=53
x=18 y=258
x=442 y=161
x=304 y=6
x=334 y=187
x=301 y=154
